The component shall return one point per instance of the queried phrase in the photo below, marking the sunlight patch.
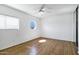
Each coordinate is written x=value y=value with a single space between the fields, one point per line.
x=42 y=41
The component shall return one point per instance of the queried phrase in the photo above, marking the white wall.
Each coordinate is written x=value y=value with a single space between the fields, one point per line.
x=58 y=26
x=10 y=38
x=74 y=26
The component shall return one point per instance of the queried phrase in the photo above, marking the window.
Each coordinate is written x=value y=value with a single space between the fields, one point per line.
x=33 y=24
x=12 y=23
x=7 y=22
x=2 y=22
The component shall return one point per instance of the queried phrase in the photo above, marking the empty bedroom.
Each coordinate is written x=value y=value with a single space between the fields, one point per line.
x=39 y=29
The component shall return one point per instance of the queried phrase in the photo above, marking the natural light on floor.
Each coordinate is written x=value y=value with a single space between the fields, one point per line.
x=42 y=41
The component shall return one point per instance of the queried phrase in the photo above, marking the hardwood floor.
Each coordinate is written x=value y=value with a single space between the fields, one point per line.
x=50 y=47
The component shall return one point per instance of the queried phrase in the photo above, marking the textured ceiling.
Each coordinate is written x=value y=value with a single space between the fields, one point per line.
x=49 y=9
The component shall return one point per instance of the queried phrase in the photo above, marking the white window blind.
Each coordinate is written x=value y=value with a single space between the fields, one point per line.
x=2 y=22
x=12 y=23
x=7 y=22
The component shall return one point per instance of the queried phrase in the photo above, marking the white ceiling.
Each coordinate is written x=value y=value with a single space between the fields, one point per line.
x=49 y=9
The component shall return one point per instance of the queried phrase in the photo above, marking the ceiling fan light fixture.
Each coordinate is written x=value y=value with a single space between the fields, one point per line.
x=41 y=12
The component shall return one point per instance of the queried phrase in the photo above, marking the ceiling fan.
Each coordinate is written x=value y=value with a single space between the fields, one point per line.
x=42 y=9
x=45 y=9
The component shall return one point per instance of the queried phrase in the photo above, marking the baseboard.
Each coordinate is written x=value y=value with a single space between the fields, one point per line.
x=31 y=40
x=56 y=39
x=19 y=44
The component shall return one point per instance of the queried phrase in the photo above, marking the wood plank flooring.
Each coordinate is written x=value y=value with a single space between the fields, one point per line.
x=50 y=47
